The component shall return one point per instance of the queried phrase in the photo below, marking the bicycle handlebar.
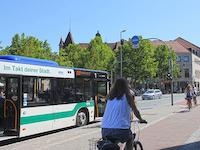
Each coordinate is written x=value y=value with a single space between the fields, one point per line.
x=143 y=121
x=138 y=121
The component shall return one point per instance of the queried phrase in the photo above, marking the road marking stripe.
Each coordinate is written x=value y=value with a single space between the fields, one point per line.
x=67 y=140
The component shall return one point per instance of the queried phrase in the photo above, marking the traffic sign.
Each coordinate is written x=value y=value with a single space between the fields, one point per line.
x=135 y=40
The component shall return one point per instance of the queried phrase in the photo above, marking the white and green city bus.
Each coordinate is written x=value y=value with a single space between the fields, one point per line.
x=39 y=96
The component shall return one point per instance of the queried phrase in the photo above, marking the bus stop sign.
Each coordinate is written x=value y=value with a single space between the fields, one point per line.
x=135 y=40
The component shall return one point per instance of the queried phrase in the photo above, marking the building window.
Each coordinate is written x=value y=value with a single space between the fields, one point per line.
x=185 y=58
x=187 y=75
x=178 y=58
x=180 y=74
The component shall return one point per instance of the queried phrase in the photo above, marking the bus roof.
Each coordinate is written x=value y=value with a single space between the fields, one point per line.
x=82 y=69
x=28 y=60
x=41 y=62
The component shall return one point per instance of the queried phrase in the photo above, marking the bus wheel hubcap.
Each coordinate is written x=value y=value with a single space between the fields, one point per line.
x=82 y=118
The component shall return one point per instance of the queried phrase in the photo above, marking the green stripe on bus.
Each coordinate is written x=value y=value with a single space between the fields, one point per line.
x=52 y=116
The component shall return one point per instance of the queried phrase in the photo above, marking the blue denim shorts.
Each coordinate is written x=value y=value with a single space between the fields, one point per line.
x=122 y=135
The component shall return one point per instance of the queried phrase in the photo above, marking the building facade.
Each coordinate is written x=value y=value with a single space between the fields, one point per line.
x=188 y=58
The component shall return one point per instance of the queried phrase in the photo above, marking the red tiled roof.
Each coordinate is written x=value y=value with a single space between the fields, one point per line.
x=69 y=40
x=176 y=46
x=113 y=46
x=187 y=44
x=84 y=45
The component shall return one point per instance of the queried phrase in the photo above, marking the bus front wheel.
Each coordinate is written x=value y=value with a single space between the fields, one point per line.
x=81 y=118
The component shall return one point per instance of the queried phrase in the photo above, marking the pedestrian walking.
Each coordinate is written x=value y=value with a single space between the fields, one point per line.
x=194 y=89
x=189 y=94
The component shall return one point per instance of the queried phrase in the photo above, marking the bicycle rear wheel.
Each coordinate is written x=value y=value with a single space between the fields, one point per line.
x=137 y=145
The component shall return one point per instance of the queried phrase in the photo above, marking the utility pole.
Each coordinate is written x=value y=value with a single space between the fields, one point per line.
x=172 y=87
x=121 y=43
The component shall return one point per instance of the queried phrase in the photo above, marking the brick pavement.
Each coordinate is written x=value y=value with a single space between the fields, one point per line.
x=179 y=131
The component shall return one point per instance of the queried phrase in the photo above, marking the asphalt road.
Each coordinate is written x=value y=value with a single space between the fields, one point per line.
x=165 y=100
x=83 y=138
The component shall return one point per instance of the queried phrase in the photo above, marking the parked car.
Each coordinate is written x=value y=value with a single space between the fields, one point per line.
x=152 y=94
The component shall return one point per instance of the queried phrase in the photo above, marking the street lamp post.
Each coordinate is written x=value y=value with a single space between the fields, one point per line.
x=171 y=72
x=121 y=43
x=135 y=41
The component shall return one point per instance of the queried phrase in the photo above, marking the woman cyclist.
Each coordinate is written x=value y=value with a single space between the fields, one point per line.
x=116 y=121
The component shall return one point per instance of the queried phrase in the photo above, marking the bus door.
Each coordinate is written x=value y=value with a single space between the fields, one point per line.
x=11 y=106
x=100 y=99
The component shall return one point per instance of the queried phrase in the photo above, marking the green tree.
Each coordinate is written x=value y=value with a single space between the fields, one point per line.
x=100 y=55
x=0 y=45
x=55 y=57
x=175 y=67
x=163 y=55
x=28 y=46
x=3 y=51
x=138 y=64
x=73 y=56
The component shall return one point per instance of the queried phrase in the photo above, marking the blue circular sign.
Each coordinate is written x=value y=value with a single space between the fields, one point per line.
x=135 y=40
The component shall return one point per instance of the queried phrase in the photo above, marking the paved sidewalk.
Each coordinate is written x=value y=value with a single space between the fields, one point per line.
x=179 y=131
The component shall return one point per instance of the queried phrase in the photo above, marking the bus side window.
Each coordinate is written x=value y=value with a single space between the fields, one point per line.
x=44 y=88
x=36 y=91
x=65 y=91
x=28 y=91
x=80 y=90
x=88 y=89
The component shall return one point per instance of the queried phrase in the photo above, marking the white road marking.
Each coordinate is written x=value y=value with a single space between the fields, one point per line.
x=67 y=140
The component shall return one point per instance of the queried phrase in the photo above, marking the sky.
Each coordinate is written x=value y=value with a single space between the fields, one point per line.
x=52 y=19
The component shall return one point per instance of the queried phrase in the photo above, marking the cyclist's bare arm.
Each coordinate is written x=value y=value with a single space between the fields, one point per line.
x=136 y=111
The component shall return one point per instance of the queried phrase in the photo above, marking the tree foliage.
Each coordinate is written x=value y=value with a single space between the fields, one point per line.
x=97 y=56
x=73 y=56
x=139 y=64
x=28 y=46
x=100 y=55
x=145 y=62
x=0 y=46
x=163 y=56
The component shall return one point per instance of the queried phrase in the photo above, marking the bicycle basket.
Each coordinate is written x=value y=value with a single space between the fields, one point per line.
x=107 y=145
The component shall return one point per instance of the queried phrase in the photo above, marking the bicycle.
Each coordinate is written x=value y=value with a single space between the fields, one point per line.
x=189 y=103
x=114 y=144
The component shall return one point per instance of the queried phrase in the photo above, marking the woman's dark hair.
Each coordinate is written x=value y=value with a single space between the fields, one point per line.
x=120 y=88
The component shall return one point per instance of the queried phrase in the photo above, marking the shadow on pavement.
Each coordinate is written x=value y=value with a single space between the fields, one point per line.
x=90 y=127
x=190 y=146
x=153 y=114
x=183 y=111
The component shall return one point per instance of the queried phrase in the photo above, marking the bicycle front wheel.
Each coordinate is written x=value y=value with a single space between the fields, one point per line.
x=137 y=145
